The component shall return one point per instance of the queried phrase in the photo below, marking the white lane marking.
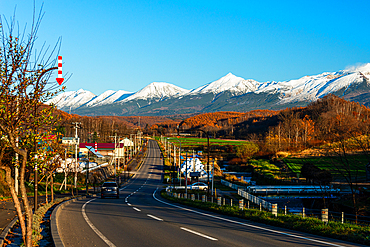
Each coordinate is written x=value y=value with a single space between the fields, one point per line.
x=124 y=187
x=152 y=216
x=129 y=204
x=245 y=224
x=109 y=243
x=198 y=233
x=137 y=209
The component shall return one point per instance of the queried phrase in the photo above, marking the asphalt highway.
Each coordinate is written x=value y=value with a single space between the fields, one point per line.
x=140 y=217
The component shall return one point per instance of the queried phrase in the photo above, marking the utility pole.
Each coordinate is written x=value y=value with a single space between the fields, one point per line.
x=131 y=146
x=208 y=164
x=135 y=145
x=186 y=174
x=213 y=176
x=76 y=125
x=87 y=172
x=174 y=159
x=114 y=154
x=207 y=134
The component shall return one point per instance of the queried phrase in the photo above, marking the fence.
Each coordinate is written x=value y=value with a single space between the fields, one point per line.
x=322 y=214
x=241 y=192
x=305 y=212
x=231 y=185
x=254 y=199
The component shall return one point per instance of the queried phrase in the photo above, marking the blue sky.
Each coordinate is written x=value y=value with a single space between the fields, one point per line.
x=113 y=45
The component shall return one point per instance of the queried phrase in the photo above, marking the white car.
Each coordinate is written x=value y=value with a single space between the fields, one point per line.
x=198 y=186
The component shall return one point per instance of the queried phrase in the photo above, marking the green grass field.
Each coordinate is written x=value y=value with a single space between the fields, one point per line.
x=356 y=163
x=191 y=141
x=266 y=168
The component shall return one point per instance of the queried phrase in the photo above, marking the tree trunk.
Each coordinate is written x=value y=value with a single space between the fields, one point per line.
x=16 y=201
x=52 y=188
x=355 y=205
x=26 y=204
x=46 y=189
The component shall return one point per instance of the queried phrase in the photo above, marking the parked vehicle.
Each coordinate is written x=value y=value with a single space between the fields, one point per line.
x=198 y=186
x=109 y=189
x=194 y=186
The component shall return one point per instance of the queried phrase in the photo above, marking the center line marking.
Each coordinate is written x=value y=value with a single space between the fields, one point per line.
x=137 y=209
x=152 y=216
x=199 y=234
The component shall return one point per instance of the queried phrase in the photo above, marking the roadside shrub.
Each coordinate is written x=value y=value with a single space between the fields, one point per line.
x=38 y=217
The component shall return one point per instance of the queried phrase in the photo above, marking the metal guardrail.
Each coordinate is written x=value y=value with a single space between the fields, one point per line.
x=291 y=189
x=96 y=167
x=231 y=185
x=258 y=203
x=255 y=199
x=246 y=195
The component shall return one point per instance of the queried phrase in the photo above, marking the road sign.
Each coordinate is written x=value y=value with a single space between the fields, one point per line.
x=60 y=79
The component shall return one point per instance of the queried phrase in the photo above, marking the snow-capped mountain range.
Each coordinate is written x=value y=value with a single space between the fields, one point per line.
x=166 y=98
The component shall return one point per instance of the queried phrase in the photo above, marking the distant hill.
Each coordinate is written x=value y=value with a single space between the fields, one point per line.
x=229 y=93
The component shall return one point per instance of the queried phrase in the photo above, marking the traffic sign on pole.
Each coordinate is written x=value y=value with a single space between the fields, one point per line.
x=60 y=79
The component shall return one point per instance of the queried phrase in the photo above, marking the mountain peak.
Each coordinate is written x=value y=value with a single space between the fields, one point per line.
x=157 y=90
x=364 y=68
x=81 y=91
x=230 y=75
x=230 y=82
x=73 y=99
x=109 y=97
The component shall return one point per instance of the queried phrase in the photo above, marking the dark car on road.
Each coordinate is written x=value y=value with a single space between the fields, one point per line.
x=109 y=189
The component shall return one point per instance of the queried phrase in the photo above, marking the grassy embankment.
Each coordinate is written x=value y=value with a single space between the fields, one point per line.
x=346 y=232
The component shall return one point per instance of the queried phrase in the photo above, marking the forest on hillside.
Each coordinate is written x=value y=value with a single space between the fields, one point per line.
x=100 y=128
x=326 y=120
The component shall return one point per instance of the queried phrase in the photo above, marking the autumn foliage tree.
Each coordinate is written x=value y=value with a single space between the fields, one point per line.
x=346 y=133
x=246 y=151
x=24 y=119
